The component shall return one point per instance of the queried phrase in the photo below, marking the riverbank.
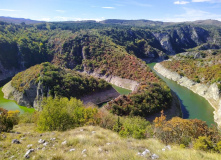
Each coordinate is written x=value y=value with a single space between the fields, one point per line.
x=12 y=105
x=210 y=93
x=173 y=111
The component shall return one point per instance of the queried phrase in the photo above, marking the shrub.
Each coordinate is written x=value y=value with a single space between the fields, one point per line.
x=106 y=119
x=28 y=117
x=8 y=119
x=203 y=143
x=178 y=130
x=218 y=147
x=219 y=87
x=134 y=126
x=62 y=114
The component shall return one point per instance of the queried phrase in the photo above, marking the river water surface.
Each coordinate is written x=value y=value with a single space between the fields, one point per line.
x=12 y=105
x=193 y=106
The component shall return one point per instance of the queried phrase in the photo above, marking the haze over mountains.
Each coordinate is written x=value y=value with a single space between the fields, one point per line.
x=140 y=22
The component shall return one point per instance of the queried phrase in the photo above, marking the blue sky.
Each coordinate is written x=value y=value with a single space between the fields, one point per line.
x=63 y=10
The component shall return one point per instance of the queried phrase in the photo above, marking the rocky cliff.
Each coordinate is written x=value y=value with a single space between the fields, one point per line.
x=209 y=92
x=118 y=81
x=24 y=99
x=178 y=39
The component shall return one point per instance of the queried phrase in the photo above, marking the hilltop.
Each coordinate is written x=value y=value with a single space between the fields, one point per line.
x=18 y=20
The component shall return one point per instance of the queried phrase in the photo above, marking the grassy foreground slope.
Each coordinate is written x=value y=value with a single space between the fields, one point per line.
x=99 y=144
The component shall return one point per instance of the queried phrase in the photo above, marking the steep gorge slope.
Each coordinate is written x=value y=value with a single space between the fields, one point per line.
x=29 y=87
x=199 y=71
x=107 y=51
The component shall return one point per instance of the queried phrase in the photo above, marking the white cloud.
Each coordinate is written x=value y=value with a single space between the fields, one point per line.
x=181 y=2
x=132 y=2
x=108 y=7
x=9 y=10
x=60 y=18
x=201 y=0
x=211 y=1
x=45 y=19
x=193 y=15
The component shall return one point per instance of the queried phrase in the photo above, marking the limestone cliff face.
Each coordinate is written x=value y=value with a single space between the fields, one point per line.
x=209 y=92
x=24 y=99
x=180 y=38
x=118 y=81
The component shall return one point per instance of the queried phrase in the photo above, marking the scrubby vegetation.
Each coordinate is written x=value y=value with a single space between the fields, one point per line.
x=8 y=119
x=204 y=69
x=94 y=51
x=63 y=115
x=152 y=98
x=58 y=81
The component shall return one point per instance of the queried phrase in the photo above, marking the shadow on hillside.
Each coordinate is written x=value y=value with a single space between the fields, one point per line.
x=184 y=110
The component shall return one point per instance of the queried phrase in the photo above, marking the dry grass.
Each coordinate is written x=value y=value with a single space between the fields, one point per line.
x=99 y=144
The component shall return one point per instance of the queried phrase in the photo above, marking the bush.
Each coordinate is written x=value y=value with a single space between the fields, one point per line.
x=178 y=130
x=218 y=147
x=28 y=117
x=8 y=119
x=106 y=119
x=134 y=126
x=62 y=114
x=203 y=143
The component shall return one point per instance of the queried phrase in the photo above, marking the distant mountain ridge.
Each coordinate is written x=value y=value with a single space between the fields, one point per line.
x=139 y=22
x=18 y=20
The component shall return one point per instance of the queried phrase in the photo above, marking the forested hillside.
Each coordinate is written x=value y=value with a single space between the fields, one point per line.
x=201 y=66
x=58 y=82
x=105 y=49
x=58 y=63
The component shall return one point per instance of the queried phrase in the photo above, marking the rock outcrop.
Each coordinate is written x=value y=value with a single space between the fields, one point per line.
x=179 y=38
x=118 y=81
x=101 y=97
x=209 y=92
x=24 y=99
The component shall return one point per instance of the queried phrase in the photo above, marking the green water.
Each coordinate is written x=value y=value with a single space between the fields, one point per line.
x=193 y=106
x=12 y=105
x=121 y=91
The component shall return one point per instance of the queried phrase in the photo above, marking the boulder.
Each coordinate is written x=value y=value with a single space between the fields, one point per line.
x=27 y=154
x=15 y=141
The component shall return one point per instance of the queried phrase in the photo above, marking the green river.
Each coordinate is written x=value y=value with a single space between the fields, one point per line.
x=9 y=104
x=12 y=105
x=193 y=106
